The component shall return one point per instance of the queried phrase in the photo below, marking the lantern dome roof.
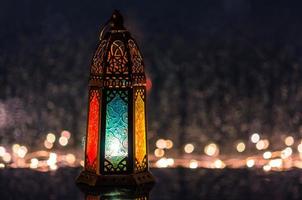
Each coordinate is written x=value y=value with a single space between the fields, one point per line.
x=117 y=61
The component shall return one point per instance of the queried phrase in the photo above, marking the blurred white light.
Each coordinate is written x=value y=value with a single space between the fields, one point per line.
x=287 y=152
x=161 y=144
x=240 y=147
x=170 y=162
x=63 y=141
x=2 y=151
x=219 y=164
x=15 y=148
x=300 y=148
x=34 y=163
x=52 y=160
x=211 y=149
x=48 y=145
x=162 y=163
x=262 y=144
x=2 y=165
x=193 y=164
x=266 y=168
x=189 y=148
x=22 y=151
x=7 y=157
x=51 y=138
x=289 y=141
x=267 y=155
x=276 y=163
x=53 y=167
x=255 y=138
x=250 y=163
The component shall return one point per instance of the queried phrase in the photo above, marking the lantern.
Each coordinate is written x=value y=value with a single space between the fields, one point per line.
x=116 y=138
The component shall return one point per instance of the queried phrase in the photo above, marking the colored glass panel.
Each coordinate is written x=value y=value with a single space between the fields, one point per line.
x=93 y=131
x=140 y=128
x=116 y=133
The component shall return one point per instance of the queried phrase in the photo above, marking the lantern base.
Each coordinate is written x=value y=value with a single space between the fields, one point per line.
x=98 y=180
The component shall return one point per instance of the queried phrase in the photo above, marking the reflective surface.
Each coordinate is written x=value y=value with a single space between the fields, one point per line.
x=171 y=184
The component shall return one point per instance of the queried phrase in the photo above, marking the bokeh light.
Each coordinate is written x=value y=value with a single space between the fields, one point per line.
x=267 y=155
x=189 y=148
x=240 y=147
x=289 y=141
x=255 y=138
x=51 y=138
x=63 y=141
x=159 y=152
x=250 y=163
x=193 y=164
x=169 y=144
x=161 y=144
x=211 y=149
x=219 y=164
x=66 y=134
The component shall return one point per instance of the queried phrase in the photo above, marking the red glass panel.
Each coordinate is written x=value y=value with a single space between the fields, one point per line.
x=93 y=131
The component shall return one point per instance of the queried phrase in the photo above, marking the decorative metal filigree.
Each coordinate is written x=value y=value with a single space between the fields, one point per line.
x=117 y=58
x=97 y=61
x=141 y=166
x=136 y=58
x=120 y=167
x=116 y=133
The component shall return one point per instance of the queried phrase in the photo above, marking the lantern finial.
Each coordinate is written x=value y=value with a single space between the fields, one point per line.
x=117 y=21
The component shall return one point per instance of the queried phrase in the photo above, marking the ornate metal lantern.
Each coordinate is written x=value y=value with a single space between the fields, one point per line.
x=116 y=139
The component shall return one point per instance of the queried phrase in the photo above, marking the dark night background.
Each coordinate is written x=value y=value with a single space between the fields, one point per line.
x=220 y=70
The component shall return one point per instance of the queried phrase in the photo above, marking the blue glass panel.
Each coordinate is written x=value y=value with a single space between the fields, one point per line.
x=116 y=133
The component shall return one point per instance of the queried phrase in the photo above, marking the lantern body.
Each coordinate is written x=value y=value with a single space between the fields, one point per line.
x=116 y=138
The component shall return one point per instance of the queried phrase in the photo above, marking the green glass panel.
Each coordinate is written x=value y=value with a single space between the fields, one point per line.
x=116 y=135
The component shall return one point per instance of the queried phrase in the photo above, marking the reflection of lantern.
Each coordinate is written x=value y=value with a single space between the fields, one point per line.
x=116 y=140
x=120 y=192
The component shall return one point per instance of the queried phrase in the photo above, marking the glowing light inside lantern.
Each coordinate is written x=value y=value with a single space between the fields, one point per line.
x=116 y=133
x=140 y=128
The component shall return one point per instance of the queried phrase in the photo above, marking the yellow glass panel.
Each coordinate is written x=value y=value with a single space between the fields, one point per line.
x=140 y=129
